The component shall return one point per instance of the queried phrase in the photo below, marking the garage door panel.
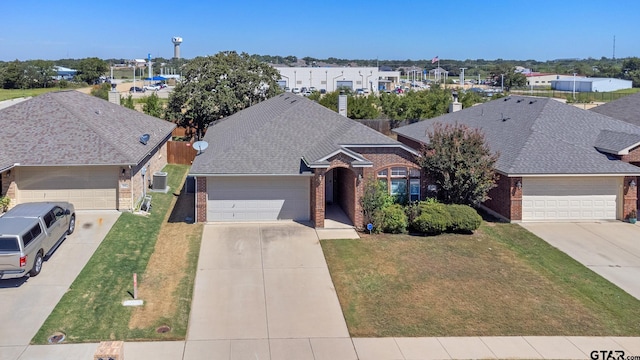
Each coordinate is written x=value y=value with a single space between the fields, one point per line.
x=257 y=198
x=570 y=198
x=87 y=188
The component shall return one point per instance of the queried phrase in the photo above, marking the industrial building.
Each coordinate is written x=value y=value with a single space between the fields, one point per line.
x=590 y=84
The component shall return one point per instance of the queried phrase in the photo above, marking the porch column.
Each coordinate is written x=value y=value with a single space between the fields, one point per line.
x=317 y=198
x=515 y=189
x=630 y=195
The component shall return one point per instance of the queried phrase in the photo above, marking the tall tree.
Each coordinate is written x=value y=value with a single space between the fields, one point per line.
x=215 y=87
x=13 y=75
x=90 y=69
x=460 y=162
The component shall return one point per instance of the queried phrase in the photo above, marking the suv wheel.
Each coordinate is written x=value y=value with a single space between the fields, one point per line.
x=37 y=265
x=72 y=225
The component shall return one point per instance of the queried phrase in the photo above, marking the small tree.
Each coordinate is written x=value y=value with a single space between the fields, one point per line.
x=153 y=106
x=128 y=102
x=460 y=163
x=375 y=198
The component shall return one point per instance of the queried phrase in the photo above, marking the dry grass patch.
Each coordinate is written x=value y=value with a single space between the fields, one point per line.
x=471 y=285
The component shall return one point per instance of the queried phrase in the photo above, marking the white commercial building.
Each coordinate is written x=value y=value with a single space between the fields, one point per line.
x=333 y=78
x=591 y=84
x=544 y=80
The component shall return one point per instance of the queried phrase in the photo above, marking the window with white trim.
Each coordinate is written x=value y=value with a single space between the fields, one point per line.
x=403 y=182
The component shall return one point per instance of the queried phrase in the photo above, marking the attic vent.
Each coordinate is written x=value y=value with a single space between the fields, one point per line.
x=519 y=100
x=507 y=99
x=532 y=101
x=144 y=138
x=98 y=112
x=294 y=101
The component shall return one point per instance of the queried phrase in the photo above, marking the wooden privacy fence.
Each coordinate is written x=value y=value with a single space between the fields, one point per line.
x=180 y=152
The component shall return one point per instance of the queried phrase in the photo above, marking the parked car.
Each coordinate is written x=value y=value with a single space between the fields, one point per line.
x=31 y=232
x=295 y=90
x=154 y=87
x=136 y=89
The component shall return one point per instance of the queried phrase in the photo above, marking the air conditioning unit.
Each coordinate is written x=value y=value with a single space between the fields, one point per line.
x=159 y=181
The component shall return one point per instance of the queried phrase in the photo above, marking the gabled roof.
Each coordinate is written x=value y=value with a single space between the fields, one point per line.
x=626 y=109
x=538 y=136
x=283 y=135
x=615 y=142
x=72 y=128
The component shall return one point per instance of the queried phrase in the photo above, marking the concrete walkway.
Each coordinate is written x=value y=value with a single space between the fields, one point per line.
x=263 y=291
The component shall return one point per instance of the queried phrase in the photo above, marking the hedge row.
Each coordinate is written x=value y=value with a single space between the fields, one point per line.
x=429 y=218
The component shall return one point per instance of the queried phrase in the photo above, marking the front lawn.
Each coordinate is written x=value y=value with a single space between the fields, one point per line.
x=500 y=281
x=91 y=310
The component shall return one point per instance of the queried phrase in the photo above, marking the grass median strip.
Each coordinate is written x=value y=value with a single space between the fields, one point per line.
x=500 y=281
x=92 y=310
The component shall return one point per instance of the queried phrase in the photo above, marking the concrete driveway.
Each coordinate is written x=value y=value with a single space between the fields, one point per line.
x=258 y=284
x=611 y=249
x=27 y=302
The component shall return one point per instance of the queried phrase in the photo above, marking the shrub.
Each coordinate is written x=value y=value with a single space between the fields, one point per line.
x=463 y=218
x=394 y=219
x=433 y=219
x=376 y=197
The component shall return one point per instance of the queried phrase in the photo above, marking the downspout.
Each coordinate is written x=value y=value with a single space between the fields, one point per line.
x=195 y=203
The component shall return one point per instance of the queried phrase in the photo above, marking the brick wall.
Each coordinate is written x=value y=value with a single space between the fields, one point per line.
x=201 y=199
x=9 y=186
x=154 y=162
x=632 y=157
x=630 y=196
x=506 y=198
x=410 y=143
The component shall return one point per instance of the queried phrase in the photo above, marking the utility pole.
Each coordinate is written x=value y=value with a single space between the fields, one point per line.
x=574 y=86
x=502 y=83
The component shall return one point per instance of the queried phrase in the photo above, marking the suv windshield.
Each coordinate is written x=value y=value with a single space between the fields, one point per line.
x=8 y=243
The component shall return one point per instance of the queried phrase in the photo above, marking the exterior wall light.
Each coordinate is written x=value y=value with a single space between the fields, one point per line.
x=519 y=184
x=632 y=183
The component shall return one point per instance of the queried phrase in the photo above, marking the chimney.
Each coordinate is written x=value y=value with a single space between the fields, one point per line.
x=114 y=95
x=342 y=104
x=455 y=105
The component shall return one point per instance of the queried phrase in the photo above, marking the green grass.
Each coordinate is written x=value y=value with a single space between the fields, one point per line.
x=19 y=93
x=500 y=281
x=92 y=310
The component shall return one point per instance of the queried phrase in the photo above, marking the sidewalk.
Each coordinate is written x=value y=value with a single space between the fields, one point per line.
x=516 y=347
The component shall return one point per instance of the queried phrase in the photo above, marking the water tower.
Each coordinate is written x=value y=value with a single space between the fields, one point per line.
x=176 y=40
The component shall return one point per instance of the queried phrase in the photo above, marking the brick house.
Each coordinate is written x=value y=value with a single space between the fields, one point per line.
x=69 y=146
x=556 y=161
x=288 y=157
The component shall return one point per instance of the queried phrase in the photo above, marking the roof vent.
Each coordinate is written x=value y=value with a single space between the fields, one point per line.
x=294 y=101
x=98 y=112
x=532 y=101
x=519 y=100
x=144 y=138
x=507 y=99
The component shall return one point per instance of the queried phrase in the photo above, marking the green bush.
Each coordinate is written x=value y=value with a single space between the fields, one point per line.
x=434 y=219
x=394 y=219
x=464 y=219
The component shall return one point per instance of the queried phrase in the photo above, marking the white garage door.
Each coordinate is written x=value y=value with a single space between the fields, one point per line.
x=251 y=198
x=570 y=198
x=86 y=187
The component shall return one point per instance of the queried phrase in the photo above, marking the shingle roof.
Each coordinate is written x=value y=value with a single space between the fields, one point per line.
x=278 y=136
x=72 y=128
x=537 y=136
x=615 y=142
x=626 y=109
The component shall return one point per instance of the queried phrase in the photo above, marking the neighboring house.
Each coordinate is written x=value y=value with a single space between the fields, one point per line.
x=626 y=109
x=556 y=162
x=288 y=157
x=590 y=84
x=69 y=146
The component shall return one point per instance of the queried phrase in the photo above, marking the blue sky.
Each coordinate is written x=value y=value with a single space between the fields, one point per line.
x=351 y=29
